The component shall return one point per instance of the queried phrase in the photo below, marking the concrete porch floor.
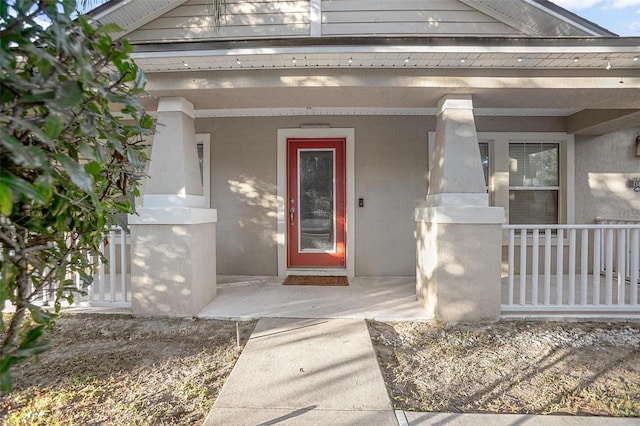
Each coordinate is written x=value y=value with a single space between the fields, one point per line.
x=381 y=298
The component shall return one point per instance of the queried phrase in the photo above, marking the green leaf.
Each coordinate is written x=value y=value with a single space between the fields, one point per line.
x=86 y=150
x=146 y=122
x=69 y=94
x=32 y=344
x=37 y=97
x=76 y=172
x=6 y=382
x=53 y=126
x=39 y=315
x=34 y=130
x=6 y=200
x=109 y=28
x=23 y=187
x=93 y=168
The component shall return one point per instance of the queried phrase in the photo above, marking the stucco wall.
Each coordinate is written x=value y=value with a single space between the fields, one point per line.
x=390 y=174
x=604 y=165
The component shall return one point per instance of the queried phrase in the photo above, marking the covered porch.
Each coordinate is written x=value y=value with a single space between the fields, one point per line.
x=252 y=297
x=442 y=136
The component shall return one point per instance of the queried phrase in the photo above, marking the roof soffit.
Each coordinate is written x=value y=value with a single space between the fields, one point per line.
x=538 y=19
x=133 y=14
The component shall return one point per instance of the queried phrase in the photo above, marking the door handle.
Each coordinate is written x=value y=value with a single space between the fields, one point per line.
x=292 y=211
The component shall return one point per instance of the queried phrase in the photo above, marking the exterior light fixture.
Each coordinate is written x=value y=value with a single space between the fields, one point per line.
x=576 y=59
x=608 y=67
x=185 y=64
x=350 y=60
x=294 y=60
x=406 y=61
x=638 y=146
x=462 y=61
x=636 y=59
x=238 y=62
x=519 y=59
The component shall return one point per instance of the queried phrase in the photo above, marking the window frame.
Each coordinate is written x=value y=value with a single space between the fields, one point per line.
x=204 y=139
x=499 y=167
x=545 y=188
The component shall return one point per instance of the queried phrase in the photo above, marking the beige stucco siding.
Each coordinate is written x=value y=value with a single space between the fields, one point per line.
x=604 y=166
x=390 y=174
x=391 y=167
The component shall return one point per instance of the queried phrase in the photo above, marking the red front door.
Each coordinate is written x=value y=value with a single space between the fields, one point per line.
x=315 y=203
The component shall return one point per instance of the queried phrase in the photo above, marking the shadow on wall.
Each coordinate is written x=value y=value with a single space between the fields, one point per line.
x=605 y=168
x=163 y=281
x=433 y=242
x=263 y=202
x=152 y=281
x=622 y=202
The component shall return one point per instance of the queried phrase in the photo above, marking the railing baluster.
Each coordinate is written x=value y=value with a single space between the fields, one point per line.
x=547 y=266
x=584 y=266
x=559 y=265
x=572 y=267
x=597 y=253
x=634 y=264
x=512 y=241
x=622 y=268
x=101 y=278
x=627 y=251
x=123 y=264
x=609 y=266
x=523 y=266
x=535 y=251
x=112 y=265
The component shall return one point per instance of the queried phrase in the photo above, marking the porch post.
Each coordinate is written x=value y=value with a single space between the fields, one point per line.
x=173 y=262
x=459 y=236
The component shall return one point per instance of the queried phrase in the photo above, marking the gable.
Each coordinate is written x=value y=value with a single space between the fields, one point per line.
x=158 y=21
x=328 y=18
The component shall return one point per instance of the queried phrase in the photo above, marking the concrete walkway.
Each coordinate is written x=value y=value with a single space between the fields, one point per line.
x=325 y=372
x=305 y=372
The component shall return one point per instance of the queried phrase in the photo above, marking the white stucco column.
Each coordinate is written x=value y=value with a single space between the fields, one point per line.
x=459 y=237
x=173 y=261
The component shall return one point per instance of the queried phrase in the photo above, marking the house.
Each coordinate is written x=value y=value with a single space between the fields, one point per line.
x=372 y=138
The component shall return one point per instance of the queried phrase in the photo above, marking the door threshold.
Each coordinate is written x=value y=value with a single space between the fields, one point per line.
x=315 y=271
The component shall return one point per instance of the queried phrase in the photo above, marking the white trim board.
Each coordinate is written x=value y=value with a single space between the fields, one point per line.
x=283 y=135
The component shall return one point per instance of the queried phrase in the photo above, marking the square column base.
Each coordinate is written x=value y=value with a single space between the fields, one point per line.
x=173 y=268
x=458 y=262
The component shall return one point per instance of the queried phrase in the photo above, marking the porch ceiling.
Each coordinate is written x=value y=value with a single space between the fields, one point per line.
x=399 y=57
x=408 y=91
x=505 y=78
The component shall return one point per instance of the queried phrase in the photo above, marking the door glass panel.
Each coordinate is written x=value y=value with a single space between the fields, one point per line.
x=316 y=200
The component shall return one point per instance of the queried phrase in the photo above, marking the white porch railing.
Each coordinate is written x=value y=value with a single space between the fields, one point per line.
x=585 y=270
x=111 y=286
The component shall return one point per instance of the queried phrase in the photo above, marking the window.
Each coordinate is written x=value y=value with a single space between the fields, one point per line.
x=533 y=182
x=203 y=146
x=530 y=174
x=484 y=157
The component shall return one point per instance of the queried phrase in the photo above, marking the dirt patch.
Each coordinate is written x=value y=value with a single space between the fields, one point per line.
x=588 y=369
x=105 y=369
